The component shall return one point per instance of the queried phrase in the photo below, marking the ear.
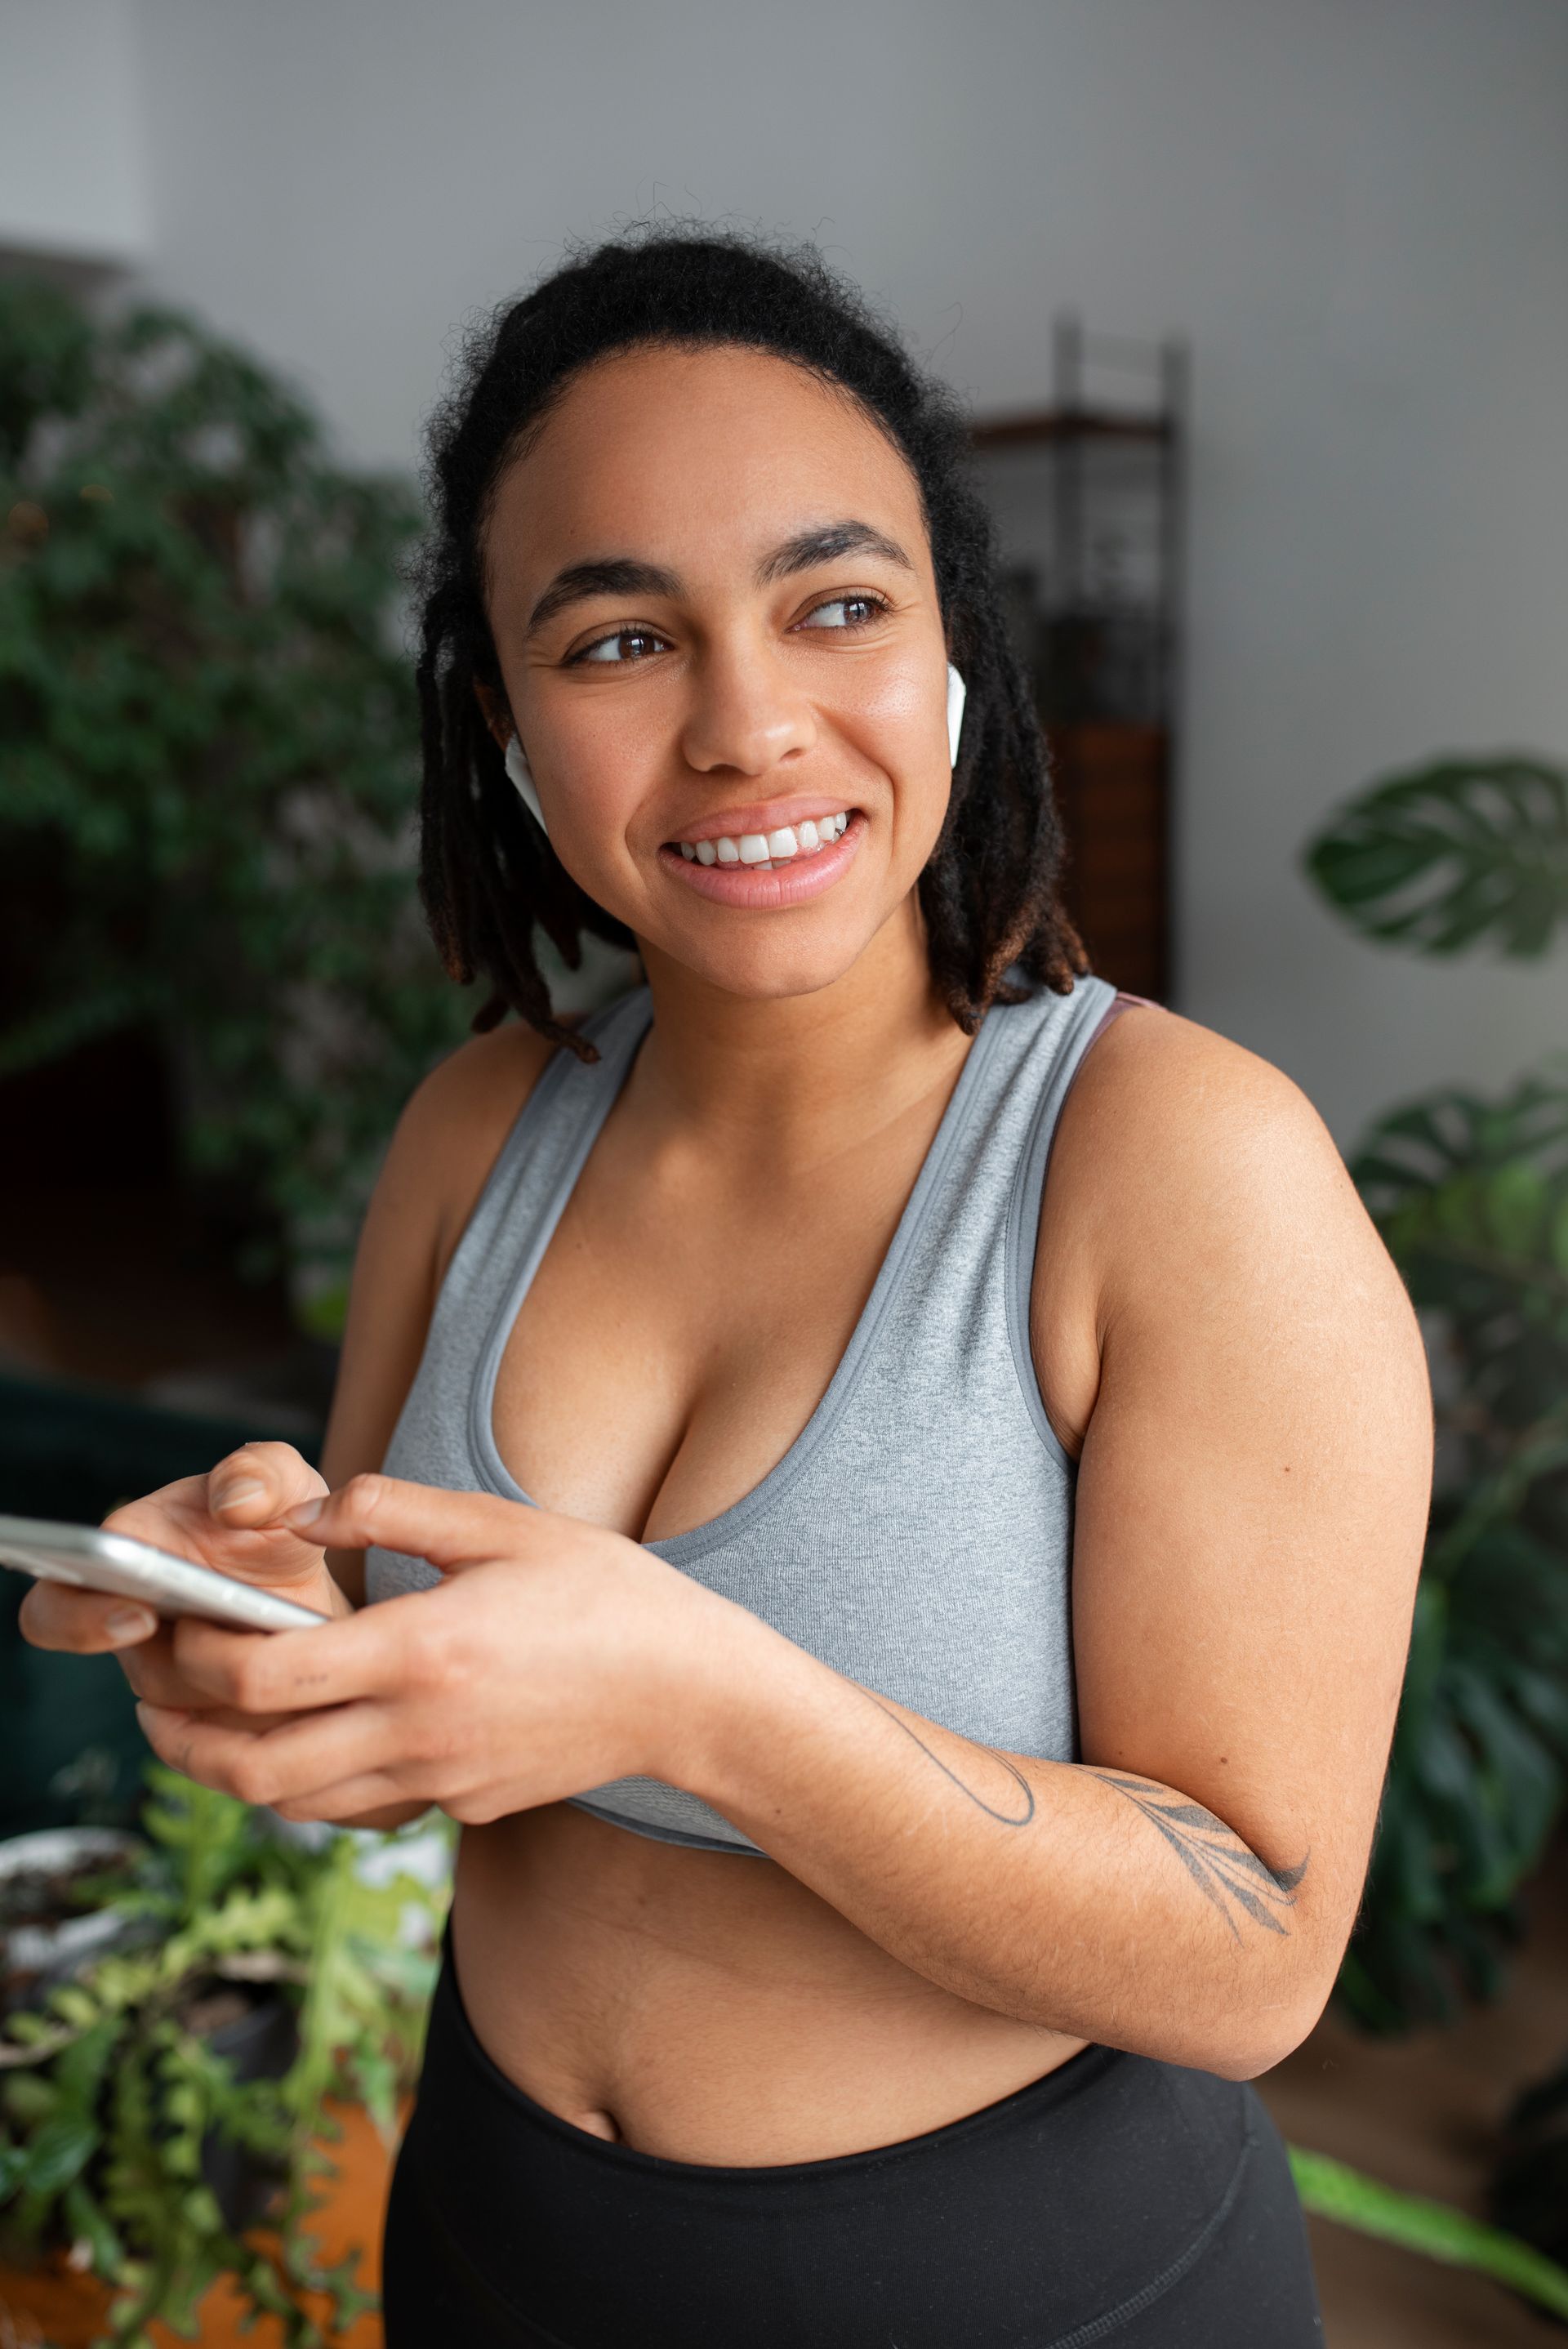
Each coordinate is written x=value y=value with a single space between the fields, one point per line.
x=496 y=714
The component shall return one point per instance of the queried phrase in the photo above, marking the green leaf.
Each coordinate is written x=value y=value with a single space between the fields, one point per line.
x=59 y=2150
x=1331 y=2189
x=1452 y=852
x=29 y=2098
x=1517 y=1205
x=85 y=2217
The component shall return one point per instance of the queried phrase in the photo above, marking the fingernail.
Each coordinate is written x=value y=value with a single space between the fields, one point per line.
x=246 y=1489
x=306 y=1514
x=127 y=1623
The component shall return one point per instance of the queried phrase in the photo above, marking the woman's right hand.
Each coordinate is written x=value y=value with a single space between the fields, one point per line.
x=228 y=1519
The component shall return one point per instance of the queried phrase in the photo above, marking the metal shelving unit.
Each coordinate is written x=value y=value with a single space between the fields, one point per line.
x=1089 y=500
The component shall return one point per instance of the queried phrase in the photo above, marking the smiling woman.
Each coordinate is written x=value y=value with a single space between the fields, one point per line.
x=913 y=1644
x=785 y=357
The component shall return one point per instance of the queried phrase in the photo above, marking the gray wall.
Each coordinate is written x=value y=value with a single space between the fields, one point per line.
x=1357 y=211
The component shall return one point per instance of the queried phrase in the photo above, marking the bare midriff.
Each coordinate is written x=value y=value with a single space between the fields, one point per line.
x=709 y=2006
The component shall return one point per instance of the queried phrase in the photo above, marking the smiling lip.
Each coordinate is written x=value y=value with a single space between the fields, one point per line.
x=785 y=884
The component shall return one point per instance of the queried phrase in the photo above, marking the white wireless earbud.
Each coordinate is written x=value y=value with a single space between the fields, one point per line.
x=957 y=690
x=522 y=774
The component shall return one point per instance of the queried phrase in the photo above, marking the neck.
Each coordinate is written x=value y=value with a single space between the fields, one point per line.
x=798 y=1074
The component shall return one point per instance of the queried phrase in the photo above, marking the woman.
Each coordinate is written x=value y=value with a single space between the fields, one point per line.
x=852 y=1942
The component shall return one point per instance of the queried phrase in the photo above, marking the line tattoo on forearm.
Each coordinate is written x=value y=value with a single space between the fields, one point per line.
x=1213 y=1855
x=1008 y=1819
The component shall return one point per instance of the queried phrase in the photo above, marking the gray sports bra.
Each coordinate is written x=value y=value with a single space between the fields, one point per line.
x=917 y=1534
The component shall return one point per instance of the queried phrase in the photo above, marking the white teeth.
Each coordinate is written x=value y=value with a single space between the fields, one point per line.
x=762 y=851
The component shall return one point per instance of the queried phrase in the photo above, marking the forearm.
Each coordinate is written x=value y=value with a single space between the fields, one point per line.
x=1088 y=1902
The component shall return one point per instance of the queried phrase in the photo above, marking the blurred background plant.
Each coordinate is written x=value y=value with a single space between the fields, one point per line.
x=208 y=764
x=1471 y=1195
x=163 y=2090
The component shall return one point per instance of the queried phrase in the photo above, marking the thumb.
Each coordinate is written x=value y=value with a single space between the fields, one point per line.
x=230 y=1518
x=448 y=1530
x=259 y=1484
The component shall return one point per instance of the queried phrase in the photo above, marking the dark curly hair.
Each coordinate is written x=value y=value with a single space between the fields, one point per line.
x=990 y=890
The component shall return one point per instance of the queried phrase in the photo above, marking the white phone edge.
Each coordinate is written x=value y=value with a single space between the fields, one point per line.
x=121 y=1567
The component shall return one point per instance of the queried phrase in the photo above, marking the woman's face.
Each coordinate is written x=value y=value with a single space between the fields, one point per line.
x=712 y=597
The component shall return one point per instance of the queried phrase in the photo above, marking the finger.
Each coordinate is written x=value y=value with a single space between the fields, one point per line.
x=372 y=1802
x=149 y=1667
x=156 y=1518
x=154 y=1675
x=449 y=1530
x=82 y=1622
x=244 y=1537
x=219 y=1716
x=259 y=1483
x=282 y=1764
x=351 y=1656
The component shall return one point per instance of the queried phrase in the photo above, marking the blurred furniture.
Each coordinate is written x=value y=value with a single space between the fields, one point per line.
x=71 y=1748
x=1088 y=497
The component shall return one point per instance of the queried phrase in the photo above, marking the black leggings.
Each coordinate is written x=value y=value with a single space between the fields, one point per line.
x=1117 y=2199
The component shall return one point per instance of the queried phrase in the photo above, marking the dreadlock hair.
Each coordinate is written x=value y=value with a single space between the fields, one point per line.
x=990 y=890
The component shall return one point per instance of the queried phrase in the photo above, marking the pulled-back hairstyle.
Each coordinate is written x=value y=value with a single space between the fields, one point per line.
x=989 y=892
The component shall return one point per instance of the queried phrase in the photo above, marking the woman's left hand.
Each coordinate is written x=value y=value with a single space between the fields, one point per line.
x=552 y=1657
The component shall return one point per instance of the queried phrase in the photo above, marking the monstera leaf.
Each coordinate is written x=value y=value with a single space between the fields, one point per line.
x=1449 y=854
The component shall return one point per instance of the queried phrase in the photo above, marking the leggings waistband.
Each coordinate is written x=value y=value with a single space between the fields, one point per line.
x=509 y=2103
x=1070 y=2212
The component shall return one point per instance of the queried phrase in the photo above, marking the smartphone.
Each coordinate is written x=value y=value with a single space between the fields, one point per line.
x=95 y=1560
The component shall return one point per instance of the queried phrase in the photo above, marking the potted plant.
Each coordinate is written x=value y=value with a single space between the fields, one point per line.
x=1470 y=1194
x=208 y=763
x=161 y=2090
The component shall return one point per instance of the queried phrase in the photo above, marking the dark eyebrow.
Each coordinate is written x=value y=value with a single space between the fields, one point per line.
x=620 y=575
x=825 y=545
x=614 y=575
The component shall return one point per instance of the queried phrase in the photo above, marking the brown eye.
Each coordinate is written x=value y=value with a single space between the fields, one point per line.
x=859 y=610
x=607 y=652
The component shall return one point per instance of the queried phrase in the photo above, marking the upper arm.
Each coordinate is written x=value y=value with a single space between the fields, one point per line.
x=1255 y=1474
x=442 y=1149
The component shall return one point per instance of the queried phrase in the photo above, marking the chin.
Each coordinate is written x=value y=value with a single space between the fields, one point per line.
x=771 y=970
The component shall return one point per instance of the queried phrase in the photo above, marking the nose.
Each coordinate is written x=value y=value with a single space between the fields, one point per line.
x=747 y=714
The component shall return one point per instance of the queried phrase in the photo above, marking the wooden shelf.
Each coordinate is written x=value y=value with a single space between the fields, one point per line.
x=1111 y=787
x=1048 y=425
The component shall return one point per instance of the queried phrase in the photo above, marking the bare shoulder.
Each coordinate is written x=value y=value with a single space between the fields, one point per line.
x=442 y=1149
x=1171 y=1117
x=1189 y=1177
x=451 y=1130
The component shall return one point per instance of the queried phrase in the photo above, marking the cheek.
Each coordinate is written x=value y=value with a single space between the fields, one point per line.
x=894 y=712
x=898 y=731
x=603 y=768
